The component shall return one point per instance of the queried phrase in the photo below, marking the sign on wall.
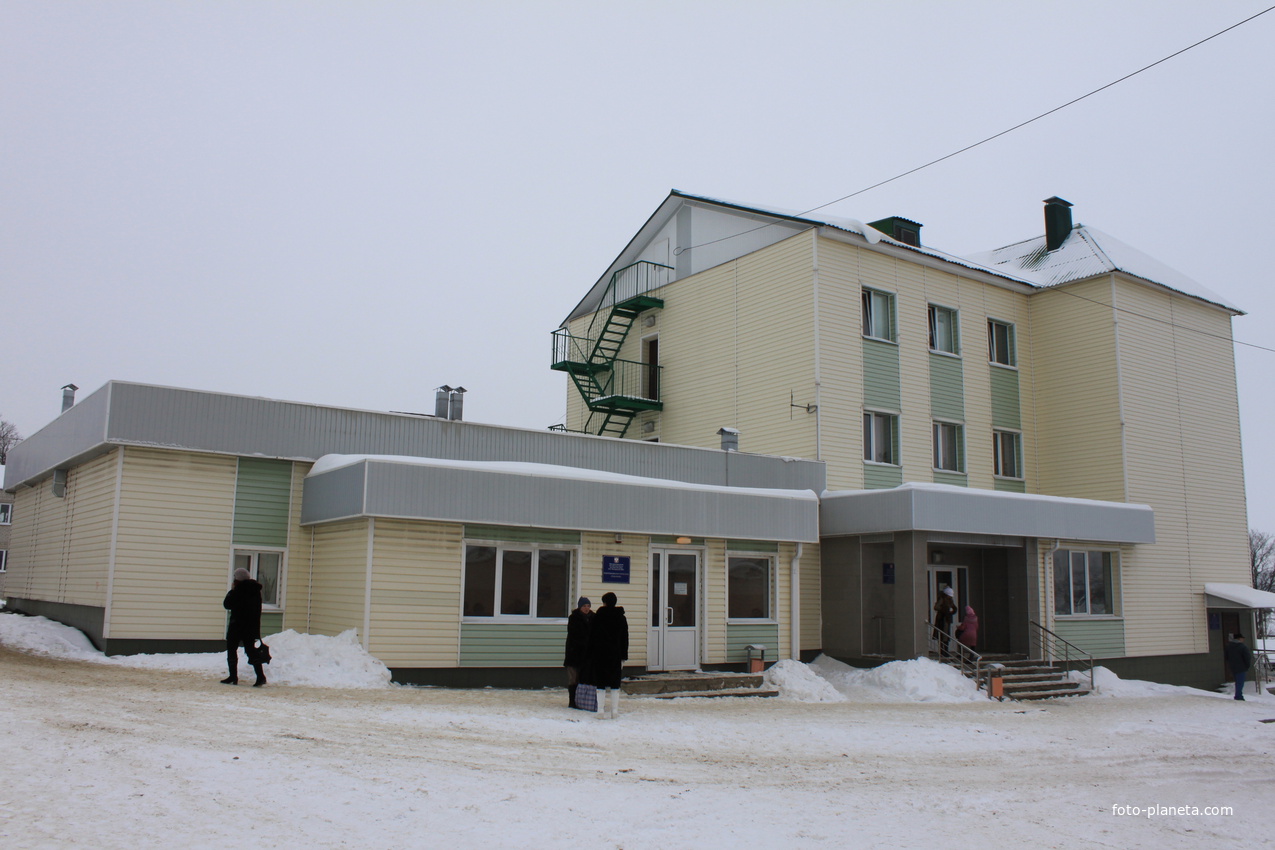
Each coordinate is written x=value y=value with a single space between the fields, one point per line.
x=615 y=569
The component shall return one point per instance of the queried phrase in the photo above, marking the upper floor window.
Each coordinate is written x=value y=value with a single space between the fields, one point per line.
x=880 y=437
x=948 y=448
x=878 y=314
x=1007 y=454
x=265 y=567
x=6 y=513
x=944 y=330
x=1000 y=343
x=1083 y=583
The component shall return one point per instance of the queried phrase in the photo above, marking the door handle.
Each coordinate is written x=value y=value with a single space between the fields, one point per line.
x=668 y=616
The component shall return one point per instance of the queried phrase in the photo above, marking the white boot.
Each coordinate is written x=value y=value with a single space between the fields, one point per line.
x=615 y=702
x=602 y=704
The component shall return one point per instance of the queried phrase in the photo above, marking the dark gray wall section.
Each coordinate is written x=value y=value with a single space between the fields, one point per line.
x=86 y=618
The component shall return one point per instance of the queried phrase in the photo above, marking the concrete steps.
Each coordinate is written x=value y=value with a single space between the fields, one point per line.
x=1032 y=678
x=693 y=684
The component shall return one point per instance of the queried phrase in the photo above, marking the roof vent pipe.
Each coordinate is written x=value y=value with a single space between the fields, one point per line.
x=457 y=406
x=442 y=401
x=730 y=439
x=68 y=397
x=1057 y=222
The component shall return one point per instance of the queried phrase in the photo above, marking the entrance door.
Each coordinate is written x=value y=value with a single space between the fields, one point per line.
x=955 y=578
x=673 y=634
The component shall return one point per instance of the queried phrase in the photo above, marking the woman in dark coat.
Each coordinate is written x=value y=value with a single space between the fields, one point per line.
x=608 y=650
x=577 y=647
x=244 y=604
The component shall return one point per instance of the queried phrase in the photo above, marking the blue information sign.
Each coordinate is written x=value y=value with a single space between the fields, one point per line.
x=615 y=569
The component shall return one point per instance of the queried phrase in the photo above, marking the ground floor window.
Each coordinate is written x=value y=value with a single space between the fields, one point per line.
x=1083 y=583
x=266 y=566
x=517 y=580
x=749 y=583
x=4 y=560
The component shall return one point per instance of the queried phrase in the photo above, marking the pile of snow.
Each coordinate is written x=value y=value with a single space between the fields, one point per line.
x=828 y=680
x=1108 y=684
x=297 y=659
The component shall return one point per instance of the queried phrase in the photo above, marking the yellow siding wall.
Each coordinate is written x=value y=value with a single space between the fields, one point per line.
x=841 y=364
x=416 y=591
x=1076 y=416
x=172 y=557
x=296 y=599
x=60 y=549
x=633 y=597
x=338 y=582
x=1183 y=458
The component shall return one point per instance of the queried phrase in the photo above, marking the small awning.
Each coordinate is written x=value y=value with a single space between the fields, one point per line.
x=1236 y=596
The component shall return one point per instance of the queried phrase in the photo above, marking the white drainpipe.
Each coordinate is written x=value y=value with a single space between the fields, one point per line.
x=794 y=570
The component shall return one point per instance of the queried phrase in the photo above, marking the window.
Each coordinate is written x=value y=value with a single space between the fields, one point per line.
x=6 y=513
x=1083 y=583
x=267 y=568
x=1000 y=343
x=880 y=437
x=4 y=560
x=878 y=314
x=748 y=587
x=944 y=330
x=518 y=580
x=948 y=449
x=1007 y=454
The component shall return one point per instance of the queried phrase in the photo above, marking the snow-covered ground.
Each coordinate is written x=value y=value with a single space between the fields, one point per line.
x=150 y=751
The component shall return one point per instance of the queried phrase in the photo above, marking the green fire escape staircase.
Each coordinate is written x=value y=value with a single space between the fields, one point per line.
x=614 y=390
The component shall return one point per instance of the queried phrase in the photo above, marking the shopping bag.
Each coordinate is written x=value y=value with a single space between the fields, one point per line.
x=587 y=697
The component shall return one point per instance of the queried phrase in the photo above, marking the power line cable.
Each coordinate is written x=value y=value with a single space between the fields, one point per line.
x=995 y=136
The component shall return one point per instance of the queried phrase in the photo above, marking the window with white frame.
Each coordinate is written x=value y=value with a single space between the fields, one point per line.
x=6 y=513
x=880 y=437
x=878 y=314
x=517 y=580
x=944 y=330
x=1007 y=454
x=1083 y=583
x=1000 y=343
x=4 y=560
x=265 y=566
x=749 y=583
x=948 y=446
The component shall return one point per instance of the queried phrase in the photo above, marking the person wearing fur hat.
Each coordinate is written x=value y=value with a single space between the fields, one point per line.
x=244 y=604
x=608 y=650
x=577 y=647
x=943 y=611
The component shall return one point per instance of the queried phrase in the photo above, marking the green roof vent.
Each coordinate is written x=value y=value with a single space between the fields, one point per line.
x=903 y=229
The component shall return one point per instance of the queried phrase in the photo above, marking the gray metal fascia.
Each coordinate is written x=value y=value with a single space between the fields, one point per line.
x=75 y=436
x=339 y=494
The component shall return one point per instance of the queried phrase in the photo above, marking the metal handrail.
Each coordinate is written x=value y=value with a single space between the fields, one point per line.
x=971 y=663
x=629 y=282
x=1049 y=651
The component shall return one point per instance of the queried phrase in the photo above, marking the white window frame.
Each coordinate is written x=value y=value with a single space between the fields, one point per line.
x=1011 y=342
x=940 y=425
x=1112 y=585
x=573 y=579
x=873 y=302
x=4 y=560
x=999 y=435
x=870 y=433
x=772 y=595
x=253 y=552
x=6 y=513
x=932 y=316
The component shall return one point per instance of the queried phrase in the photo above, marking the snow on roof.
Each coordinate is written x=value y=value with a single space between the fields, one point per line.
x=1241 y=594
x=995 y=494
x=1087 y=252
x=328 y=463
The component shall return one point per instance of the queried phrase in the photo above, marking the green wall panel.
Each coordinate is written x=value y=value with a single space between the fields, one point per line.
x=947 y=387
x=740 y=635
x=1006 y=405
x=271 y=622
x=1100 y=638
x=880 y=477
x=1010 y=485
x=512 y=644
x=752 y=545
x=957 y=479
x=881 y=375
x=263 y=493
x=514 y=534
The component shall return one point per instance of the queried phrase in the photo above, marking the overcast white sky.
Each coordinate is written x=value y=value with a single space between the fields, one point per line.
x=351 y=204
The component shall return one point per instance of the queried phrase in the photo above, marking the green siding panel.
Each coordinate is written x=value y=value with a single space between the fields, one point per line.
x=947 y=387
x=881 y=375
x=671 y=540
x=957 y=479
x=271 y=622
x=1010 y=485
x=263 y=495
x=752 y=545
x=1102 y=638
x=740 y=635
x=880 y=477
x=512 y=644
x=513 y=534
x=1006 y=405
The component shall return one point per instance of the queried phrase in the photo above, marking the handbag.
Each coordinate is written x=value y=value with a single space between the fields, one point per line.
x=587 y=697
x=259 y=654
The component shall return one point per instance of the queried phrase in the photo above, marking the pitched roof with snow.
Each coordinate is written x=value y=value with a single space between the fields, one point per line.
x=1087 y=252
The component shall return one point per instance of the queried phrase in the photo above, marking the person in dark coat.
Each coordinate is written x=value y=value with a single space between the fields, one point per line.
x=1239 y=658
x=943 y=611
x=608 y=650
x=244 y=604
x=577 y=647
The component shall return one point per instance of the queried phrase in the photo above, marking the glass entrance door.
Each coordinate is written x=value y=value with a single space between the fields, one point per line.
x=673 y=628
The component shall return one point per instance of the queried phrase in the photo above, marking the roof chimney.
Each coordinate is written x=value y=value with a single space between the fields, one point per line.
x=1057 y=222
x=730 y=439
x=897 y=227
x=68 y=397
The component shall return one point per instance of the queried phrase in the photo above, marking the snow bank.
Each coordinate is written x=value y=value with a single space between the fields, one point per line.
x=310 y=660
x=1108 y=684
x=828 y=680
